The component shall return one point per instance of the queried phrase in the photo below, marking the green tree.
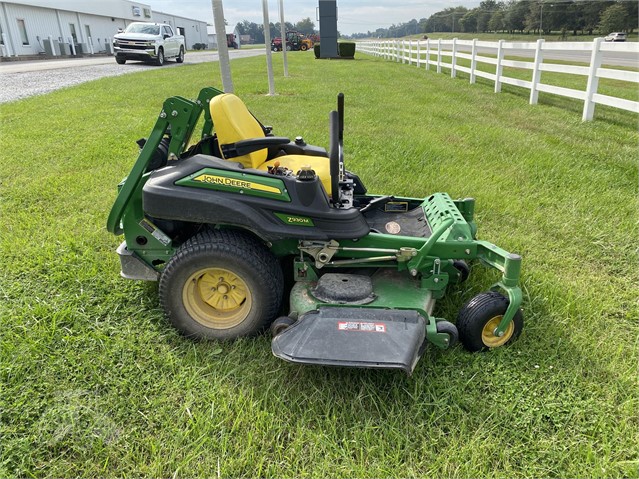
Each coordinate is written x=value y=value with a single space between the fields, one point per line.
x=496 y=22
x=515 y=15
x=305 y=26
x=613 y=18
x=468 y=23
x=632 y=15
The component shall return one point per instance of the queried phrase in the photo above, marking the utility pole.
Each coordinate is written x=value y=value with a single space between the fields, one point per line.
x=283 y=34
x=222 y=47
x=267 y=40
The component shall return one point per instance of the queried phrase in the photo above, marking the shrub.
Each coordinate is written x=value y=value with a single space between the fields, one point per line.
x=316 y=50
x=346 y=49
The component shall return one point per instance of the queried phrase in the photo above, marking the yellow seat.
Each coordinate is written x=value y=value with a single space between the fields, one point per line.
x=233 y=122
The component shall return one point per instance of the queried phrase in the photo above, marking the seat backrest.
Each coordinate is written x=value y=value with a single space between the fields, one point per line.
x=233 y=122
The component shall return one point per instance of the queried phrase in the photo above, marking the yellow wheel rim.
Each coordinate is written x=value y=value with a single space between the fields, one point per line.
x=488 y=337
x=217 y=298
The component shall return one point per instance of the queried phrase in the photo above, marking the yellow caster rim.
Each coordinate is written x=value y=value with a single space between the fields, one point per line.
x=488 y=337
x=217 y=298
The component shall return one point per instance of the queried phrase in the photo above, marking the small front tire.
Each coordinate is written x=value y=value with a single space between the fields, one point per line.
x=463 y=270
x=280 y=324
x=479 y=317
x=120 y=60
x=451 y=330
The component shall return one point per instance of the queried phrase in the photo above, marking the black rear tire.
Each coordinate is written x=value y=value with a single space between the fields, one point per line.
x=479 y=317
x=221 y=285
x=180 y=57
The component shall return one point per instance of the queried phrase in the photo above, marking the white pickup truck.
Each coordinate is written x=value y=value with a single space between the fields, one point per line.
x=149 y=42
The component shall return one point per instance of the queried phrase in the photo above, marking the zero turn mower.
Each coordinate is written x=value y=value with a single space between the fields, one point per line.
x=241 y=221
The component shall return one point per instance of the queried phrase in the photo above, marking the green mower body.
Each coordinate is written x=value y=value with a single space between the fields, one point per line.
x=361 y=272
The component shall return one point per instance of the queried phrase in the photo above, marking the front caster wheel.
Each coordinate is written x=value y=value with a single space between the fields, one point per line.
x=463 y=270
x=451 y=330
x=280 y=324
x=221 y=285
x=478 y=319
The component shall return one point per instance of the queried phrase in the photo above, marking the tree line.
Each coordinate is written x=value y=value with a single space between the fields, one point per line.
x=523 y=16
x=256 y=31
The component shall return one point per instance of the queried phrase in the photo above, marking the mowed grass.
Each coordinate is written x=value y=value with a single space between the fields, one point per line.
x=95 y=382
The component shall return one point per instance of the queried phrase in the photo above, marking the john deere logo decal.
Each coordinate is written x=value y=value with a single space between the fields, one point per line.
x=249 y=183
x=295 y=220
x=233 y=183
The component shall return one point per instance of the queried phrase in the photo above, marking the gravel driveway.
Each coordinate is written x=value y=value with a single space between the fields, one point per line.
x=23 y=79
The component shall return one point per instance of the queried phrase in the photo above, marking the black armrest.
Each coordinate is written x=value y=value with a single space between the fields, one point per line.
x=244 y=147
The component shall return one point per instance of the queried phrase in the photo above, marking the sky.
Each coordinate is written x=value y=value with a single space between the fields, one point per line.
x=354 y=16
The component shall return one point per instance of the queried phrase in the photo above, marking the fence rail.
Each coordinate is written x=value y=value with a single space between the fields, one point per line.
x=434 y=53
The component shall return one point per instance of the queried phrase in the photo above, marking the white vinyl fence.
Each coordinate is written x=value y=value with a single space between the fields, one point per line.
x=422 y=52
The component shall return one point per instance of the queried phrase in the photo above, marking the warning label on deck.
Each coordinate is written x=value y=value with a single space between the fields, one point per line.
x=361 y=326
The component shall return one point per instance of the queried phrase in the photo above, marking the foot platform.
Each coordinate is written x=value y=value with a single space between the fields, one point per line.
x=354 y=337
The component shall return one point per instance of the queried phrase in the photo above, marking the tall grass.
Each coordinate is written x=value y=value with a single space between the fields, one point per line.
x=96 y=383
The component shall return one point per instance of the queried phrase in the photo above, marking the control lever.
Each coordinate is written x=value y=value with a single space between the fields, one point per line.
x=382 y=200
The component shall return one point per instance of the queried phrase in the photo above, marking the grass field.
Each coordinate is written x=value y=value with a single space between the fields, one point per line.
x=95 y=383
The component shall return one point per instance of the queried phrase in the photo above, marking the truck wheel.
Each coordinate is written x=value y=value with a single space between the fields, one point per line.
x=120 y=60
x=304 y=47
x=160 y=59
x=221 y=285
x=180 y=57
x=479 y=317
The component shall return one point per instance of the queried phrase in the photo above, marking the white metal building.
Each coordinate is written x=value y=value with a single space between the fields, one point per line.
x=27 y=25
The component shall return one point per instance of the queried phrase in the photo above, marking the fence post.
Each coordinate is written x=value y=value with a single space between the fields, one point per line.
x=593 y=81
x=500 y=67
x=90 y=40
x=453 y=71
x=473 y=61
x=536 y=77
x=428 y=54
x=439 y=55
x=419 y=55
x=397 y=51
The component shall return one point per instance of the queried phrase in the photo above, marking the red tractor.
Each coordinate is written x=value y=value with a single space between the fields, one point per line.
x=230 y=41
x=294 y=41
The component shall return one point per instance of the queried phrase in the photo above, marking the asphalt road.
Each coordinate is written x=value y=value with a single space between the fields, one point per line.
x=21 y=79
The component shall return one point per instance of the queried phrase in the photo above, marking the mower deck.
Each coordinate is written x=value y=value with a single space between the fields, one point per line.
x=376 y=321
x=355 y=337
